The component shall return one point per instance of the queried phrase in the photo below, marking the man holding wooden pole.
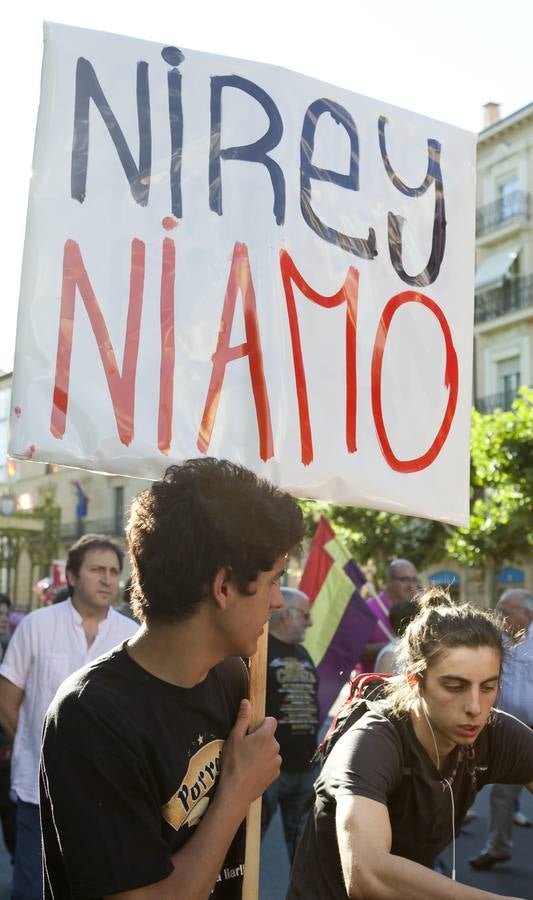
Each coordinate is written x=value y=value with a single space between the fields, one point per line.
x=148 y=766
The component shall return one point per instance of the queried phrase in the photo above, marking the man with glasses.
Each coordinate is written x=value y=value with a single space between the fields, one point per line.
x=401 y=586
x=291 y=697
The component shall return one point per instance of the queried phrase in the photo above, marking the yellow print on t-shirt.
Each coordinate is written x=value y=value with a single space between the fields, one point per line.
x=189 y=803
x=298 y=707
x=295 y=672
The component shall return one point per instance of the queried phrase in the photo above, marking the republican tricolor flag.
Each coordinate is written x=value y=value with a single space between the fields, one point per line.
x=342 y=621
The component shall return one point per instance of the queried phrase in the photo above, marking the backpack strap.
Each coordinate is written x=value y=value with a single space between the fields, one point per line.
x=359 y=690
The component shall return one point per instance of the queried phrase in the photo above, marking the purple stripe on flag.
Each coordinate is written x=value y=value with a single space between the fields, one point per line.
x=353 y=572
x=348 y=643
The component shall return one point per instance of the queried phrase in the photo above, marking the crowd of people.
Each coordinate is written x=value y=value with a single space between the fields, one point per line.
x=131 y=736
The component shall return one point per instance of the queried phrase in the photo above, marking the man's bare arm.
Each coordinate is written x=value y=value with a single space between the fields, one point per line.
x=371 y=872
x=529 y=787
x=11 y=697
x=250 y=762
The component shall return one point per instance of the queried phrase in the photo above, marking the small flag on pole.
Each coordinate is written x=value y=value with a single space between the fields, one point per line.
x=342 y=621
x=82 y=501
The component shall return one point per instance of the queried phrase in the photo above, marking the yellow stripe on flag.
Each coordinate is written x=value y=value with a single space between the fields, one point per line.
x=330 y=603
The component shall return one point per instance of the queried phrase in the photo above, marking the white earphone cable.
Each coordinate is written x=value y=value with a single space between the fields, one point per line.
x=453 y=828
x=449 y=786
x=432 y=735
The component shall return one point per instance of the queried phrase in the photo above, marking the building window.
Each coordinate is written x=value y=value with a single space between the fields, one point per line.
x=511 y=575
x=448 y=580
x=509 y=198
x=508 y=380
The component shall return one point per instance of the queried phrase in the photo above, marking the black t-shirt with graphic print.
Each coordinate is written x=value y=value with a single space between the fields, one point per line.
x=291 y=697
x=381 y=758
x=129 y=763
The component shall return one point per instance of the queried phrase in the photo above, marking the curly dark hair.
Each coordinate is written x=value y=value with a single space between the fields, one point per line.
x=205 y=515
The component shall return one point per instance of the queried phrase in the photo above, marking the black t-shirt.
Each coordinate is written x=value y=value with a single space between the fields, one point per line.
x=382 y=759
x=129 y=763
x=291 y=697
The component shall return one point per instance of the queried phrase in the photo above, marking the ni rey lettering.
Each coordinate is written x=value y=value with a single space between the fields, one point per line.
x=76 y=280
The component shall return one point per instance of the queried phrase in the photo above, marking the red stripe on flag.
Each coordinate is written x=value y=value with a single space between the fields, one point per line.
x=319 y=561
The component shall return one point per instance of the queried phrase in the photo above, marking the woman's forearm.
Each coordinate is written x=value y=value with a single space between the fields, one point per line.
x=395 y=878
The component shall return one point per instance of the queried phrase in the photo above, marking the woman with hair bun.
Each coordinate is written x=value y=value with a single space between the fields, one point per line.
x=397 y=784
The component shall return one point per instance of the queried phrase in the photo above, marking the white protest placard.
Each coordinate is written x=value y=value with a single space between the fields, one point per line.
x=227 y=258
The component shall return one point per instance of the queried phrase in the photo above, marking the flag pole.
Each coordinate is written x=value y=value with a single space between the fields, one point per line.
x=258 y=665
x=369 y=587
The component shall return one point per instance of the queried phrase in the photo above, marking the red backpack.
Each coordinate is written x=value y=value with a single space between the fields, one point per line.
x=364 y=688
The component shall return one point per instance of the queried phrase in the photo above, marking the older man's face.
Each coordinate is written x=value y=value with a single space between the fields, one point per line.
x=403 y=583
x=297 y=620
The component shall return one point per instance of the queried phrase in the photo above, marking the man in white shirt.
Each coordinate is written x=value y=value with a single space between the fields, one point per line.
x=48 y=645
x=515 y=697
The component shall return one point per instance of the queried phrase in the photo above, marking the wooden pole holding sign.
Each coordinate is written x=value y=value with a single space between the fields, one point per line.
x=258 y=664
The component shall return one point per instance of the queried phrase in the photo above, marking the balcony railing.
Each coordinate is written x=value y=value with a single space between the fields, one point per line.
x=514 y=294
x=495 y=401
x=503 y=211
x=70 y=531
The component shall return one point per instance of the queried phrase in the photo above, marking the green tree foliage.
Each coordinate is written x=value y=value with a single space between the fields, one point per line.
x=501 y=519
x=380 y=536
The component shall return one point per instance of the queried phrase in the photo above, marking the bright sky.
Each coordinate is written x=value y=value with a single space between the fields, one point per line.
x=444 y=60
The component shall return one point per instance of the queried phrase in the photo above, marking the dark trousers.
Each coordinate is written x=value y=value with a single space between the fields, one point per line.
x=7 y=810
x=292 y=792
x=28 y=867
x=503 y=798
